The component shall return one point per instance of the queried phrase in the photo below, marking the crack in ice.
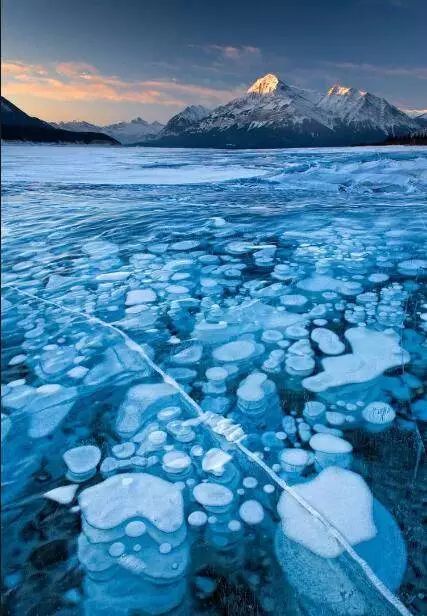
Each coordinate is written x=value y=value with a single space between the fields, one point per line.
x=204 y=418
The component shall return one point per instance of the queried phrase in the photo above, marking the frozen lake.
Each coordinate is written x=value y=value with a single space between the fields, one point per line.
x=203 y=350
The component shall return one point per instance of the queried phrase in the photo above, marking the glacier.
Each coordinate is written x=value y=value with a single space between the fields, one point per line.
x=213 y=391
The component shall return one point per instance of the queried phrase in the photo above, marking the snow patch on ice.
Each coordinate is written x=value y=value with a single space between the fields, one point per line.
x=343 y=498
x=125 y=496
x=373 y=353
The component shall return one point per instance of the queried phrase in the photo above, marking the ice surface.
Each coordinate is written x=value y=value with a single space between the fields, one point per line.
x=6 y=425
x=251 y=512
x=63 y=495
x=193 y=353
x=82 y=461
x=197 y=518
x=330 y=449
x=77 y=164
x=313 y=411
x=294 y=460
x=140 y=296
x=413 y=267
x=299 y=365
x=100 y=249
x=212 y=495
x=378 y=414
x=343 y=498
x=47 y=407
x=328 y=341
x=188 y=356
x=214 y=461
x=118 y=498
x=141 y=402
x=294 y=301
x=328 y=443
x=320 y=283
x=117 y=358
x=234 y=351
x=374 y=352
x=175 y=462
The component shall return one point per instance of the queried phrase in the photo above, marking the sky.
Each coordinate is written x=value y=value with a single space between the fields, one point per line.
x=109 y=60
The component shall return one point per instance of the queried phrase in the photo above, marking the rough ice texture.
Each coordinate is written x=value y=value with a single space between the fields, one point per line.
x=373 y=353
x=46 y=406
x=126 y=496
x=116 y=359
x=343 y=498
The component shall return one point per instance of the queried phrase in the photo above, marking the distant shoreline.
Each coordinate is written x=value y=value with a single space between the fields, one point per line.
x=387 y=144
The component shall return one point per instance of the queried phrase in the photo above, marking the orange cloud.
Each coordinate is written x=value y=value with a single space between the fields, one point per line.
x=75 y=69
x=75 y=81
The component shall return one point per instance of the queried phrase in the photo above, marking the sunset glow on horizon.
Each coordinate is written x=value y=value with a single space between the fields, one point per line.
x=151 y=59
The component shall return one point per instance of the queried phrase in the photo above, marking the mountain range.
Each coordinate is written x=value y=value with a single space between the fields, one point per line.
x=139 y=130
x=270 y=114
x=16 y=125
x=124 y=132
x=274 y=114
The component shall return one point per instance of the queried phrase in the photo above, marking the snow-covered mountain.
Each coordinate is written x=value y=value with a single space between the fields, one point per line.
x=76 y=125
x=133 y=131
x=422 y=119
x=364 y=112
x=270 y=114
x=125 y=132
x=269 y=102
x=184 y=120
x=274 y=114
x=18 y=126
x=413 y=113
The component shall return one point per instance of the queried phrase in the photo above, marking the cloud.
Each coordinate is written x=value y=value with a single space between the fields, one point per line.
x=75 y=81
x=20 y=70
x=76 y=69
x=398 y=71
x=413 y=112
x=231 y=52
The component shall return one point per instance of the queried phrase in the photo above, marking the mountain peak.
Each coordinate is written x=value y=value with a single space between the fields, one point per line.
x=339 y=90
x=193 y=113
x=184 y=119
x=266 y=85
